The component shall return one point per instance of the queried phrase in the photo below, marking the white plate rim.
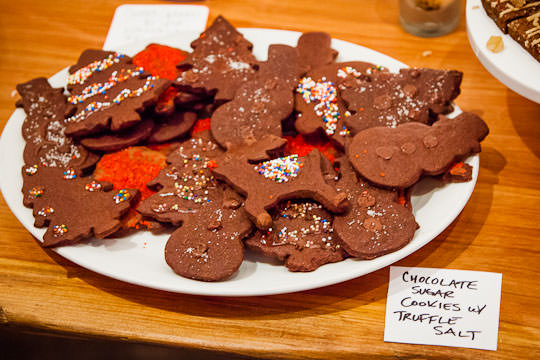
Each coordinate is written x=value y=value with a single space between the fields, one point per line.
x=514 y=66
x=326 y=275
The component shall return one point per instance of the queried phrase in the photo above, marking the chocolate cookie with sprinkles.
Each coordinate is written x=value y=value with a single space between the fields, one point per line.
x=186 y=184
x=108 y=92
x=376 y=223
x=220 y=63
x=73 y=208
x=44 y=128
x=301 y=235
x=259 y=106
x=321 y=111
x=267 y=184
x=386 y=99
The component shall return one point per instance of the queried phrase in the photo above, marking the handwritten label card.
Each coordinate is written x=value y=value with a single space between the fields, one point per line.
x=443 y=307
x=152 y=23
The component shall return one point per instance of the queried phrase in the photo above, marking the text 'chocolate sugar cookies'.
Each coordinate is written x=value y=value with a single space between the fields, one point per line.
x=241 y=139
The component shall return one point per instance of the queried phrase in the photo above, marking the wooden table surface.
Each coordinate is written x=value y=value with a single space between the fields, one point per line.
x=498 y=230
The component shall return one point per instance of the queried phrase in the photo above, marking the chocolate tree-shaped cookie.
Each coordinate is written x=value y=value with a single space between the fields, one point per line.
x=387 y=99
x=208 y=246
x=301 y=235
x=397 y=157
x=267 y=184
x=220 y=63
x=187 y=184
x=375 y=224
x=318 y=101
x=44 y=126
x=108 y=92
x=259 y=106
x=315 y=49
x=73 y=208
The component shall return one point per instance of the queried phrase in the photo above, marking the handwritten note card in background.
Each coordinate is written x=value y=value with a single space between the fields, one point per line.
x=151 y=23
x=443 y=307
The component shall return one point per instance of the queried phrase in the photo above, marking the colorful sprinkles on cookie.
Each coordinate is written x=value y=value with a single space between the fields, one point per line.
x=93 y=186
x=101 y=88
x=325 y=93
x=45 y=211
x=81 y=75
x=281 y=169
x=31 y=170
x=96 y=106
x=121 y=196
x=59 y=230
x=69 y=174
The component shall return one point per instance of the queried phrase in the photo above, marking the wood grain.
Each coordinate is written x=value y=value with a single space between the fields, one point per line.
x=497 y=231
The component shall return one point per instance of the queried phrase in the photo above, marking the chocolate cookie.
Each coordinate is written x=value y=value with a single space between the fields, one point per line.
x=108 y=92
x=387 y=99
x=315 y=49
x=220 y=63
x=73 y=208
x=259 y=106
x=301 y=235
x=44 y=128
x=173 y=126
x=375 y=224
x=271 y=182
x=397 y=157
x=122 y=139
x=187 y=184
x=318 y=101
x=208 y=246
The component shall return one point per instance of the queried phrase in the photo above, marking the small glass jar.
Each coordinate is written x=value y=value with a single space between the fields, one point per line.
x=429 y=18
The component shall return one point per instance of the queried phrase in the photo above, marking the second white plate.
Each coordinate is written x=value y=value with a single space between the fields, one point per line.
x=513 y=66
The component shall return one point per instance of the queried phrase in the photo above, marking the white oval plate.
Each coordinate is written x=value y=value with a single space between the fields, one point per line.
x=139 y=259
x=513 y=66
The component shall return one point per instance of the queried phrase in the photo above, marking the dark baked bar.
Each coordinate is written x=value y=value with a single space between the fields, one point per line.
x=505 y=11
x=526 y=31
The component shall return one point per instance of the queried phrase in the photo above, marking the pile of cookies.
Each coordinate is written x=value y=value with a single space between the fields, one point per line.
x=237 y=184
x=520 y=19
